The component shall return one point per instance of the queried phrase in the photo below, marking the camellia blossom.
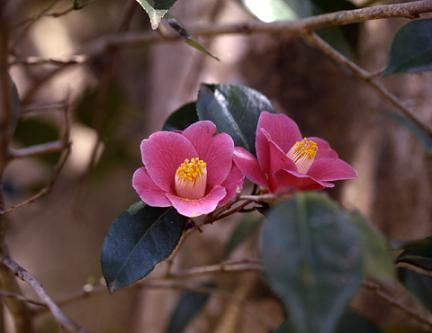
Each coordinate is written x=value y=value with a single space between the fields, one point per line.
x=287 y=161
x=192 y=170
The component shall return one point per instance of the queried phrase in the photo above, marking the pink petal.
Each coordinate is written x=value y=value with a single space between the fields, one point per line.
x=148 y=191
x=284 y=180
x=324 y=149
x=194 y=208
x=277 y=158
x=233 y=183
x=162 y=153
x=215 y=150
x=329 y=169
x=283 y=131
x=248 y=165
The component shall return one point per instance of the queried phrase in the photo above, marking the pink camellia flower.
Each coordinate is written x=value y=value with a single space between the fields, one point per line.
x=287 y=161
x=193 y=170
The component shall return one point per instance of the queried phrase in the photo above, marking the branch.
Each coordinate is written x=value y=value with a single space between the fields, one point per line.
x=5 y=100
x=41 y=149
x=414 y=268
x=133 y=39
x=65 y=139
x=376 y=288
x=19 y=297
x=246 y=265
x=16 y=304
x=58 y=314
x=367 y=77
x=232 y=267
x=35 y=108
x=100 y=289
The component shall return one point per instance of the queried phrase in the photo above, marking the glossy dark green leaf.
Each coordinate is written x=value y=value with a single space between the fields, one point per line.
x=243 y=230
x=312 y=259
x=420 y=134
x=141 y=237
x=189 y=306
x=181 y=118
x=156 y=9
x=350 y=322
x=377 y=258
x=234 y=109
x=419 y=285
x=418 y=253
x=411 y=49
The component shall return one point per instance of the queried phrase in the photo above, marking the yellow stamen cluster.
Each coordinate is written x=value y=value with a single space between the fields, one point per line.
x=304 y=149
x=191 y=169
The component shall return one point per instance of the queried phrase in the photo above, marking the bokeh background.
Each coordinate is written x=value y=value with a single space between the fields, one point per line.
x=123 y=95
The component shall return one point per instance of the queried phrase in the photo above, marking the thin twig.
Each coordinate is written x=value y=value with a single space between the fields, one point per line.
x=5 y=100
x=229 y=267
x=100 y=289
x=18 y=308
x=414 y=268
x=58 y=314
x=35 y=108
x=421 y=319
x=37 y=150
x=364 y=75
x=246 y=265
x=5 y=293
x=133 y=39
x=65 y=139
x=26 y=24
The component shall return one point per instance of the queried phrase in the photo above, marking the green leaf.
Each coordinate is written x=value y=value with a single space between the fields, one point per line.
x=411 y=49
x=188 y=307
x=181 y=118
x=234 y=109
x=418 y=253
x=189 y=39
x=377 y=258
x=245 y=228
x=156 y=10
x=420 y=134
x=141 y=237
x=312 y=259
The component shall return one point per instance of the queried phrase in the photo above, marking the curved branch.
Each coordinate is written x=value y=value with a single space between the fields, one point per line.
x=367 y=77
x=58 y=314
x=133 y=39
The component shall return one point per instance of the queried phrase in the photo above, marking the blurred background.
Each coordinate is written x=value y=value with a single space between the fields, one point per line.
x=125 y=94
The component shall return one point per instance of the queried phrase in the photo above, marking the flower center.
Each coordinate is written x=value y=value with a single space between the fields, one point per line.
x=191 y=178
x=303 y=154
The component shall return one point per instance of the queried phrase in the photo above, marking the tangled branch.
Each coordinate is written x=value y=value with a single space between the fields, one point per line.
x=58 y=314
